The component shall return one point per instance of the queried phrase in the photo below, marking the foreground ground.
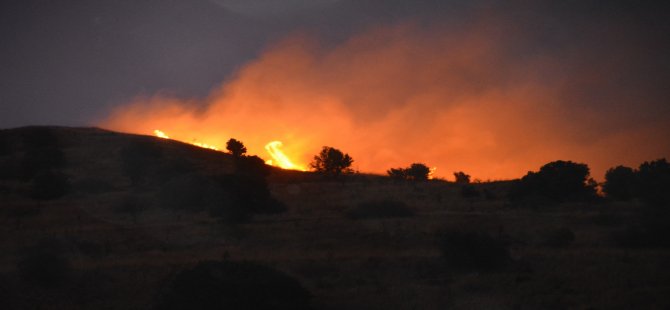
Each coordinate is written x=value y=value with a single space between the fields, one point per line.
x=125 y=260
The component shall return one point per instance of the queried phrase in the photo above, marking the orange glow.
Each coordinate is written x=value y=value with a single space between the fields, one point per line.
x=431 y=174
x=279 y=158
x=161 y=134
x=394 y=95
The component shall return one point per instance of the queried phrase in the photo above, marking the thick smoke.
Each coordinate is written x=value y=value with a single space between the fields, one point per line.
x=473 y=97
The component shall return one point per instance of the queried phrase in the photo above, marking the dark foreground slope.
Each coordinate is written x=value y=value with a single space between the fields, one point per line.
x=115 y=221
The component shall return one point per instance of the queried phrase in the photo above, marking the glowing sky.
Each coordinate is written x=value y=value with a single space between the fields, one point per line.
x=493 y=89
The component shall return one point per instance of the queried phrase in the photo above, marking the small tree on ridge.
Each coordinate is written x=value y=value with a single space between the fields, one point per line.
x=331 y=162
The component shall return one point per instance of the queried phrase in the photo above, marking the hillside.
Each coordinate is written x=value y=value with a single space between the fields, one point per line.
x=113 y=220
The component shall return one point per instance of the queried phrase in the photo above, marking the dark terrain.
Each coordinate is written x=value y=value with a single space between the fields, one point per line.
x=93 y=219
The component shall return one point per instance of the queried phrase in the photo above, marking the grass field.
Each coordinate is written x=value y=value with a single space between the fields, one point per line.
x=560 y=256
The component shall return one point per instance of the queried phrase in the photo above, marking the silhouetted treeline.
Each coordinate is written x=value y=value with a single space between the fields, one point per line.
x=649 y=183
x=558 y=181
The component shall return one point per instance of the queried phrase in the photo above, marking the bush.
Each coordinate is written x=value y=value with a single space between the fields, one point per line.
x=559 y=237
x=234 y=285
x=654 y=182
x=559 y=181
x=251 y=166
x=236 y=148
x=331 y=162
x=461 y=177
x=472 y=251
x=380 y=209
x=249 y=194
x=620 y=183
x=44 y=264
x=50 y=185
x=416 y=172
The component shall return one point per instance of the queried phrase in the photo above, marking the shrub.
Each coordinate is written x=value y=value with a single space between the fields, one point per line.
x=472 y=251
x=558 y=181
x=461 y=177
x=249 y=194
x=44 y=264
x=251 y=166
x=50 y=185
x=654 y=182
x=380 y=209
x=559 y=237
x=332 y=162
x=234 y=285
x=416 y=172
x=397 y=173
x=620 y=183
x=236 y=148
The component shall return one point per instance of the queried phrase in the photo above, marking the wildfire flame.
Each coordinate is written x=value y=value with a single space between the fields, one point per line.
x=279 y=158
x=161 y=134
x=431 y=174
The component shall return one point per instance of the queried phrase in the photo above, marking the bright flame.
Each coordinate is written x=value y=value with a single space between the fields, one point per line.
x=205 y=146
x=431 y=174
x=161 y=134
x=280 y=158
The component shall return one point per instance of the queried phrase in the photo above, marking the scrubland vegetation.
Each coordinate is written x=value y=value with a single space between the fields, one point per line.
x=93 y=219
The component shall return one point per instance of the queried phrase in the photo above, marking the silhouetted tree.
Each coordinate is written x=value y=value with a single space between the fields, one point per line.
x=620 y=183
x=557 y=181
x=236 y=147
x=461 y=177
x=418 y=172
x=654 y=182
x=331 y=162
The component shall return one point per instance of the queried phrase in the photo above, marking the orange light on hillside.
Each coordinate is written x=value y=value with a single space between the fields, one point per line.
x=431 y=174
x=161 y=134
x=279 y=158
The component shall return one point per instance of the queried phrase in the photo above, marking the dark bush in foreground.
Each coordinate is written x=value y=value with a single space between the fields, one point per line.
x=234 y=285
x=44 y=265
x=472 y=251
x=559 y=237
x=49 y=185
x=380 y=209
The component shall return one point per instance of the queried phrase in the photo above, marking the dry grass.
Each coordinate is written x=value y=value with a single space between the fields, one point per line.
x=122 y=262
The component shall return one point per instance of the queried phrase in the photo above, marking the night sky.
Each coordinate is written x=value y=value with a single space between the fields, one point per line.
x=495 y=88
